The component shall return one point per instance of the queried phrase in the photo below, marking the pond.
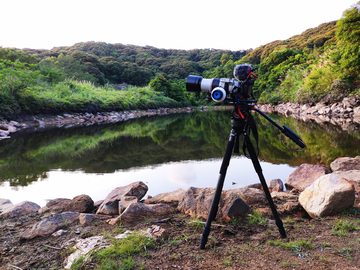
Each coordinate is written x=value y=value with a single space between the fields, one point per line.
x=165 y=152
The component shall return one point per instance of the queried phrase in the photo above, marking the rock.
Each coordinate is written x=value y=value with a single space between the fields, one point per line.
x=305 y=175
x=110 y=206
x=40 y=123
x=328 y=195
x=197 y=202
x=83 y=247
x=157 y=232
x=50 y=225
x=59 y=233
x=97 y=205
x=20 y=209
x=125 y=201
x=345 y=164
x=89 y=219
x=250 y=195
x=353 y=176
x=286 y=203
x=56 y=206
x=171 y=198
x=5 y=204
x=275 y=185
x=81 y=204
x=136 y=211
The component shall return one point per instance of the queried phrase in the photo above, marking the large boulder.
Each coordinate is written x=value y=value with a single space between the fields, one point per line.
x=305 y=175
x=110 y=206
x=197 y=203
x=173 y=198
x=125 y=201
x=20 y=209
x=353 y=176
x=50 y=225
x=81 y=204
x=345 y=164
x=138 y=211
x=250 y=195
x=89 y=219
x=328 y=195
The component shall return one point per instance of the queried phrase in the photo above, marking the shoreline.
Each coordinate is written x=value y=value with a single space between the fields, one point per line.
x=345 y=113
x=7 y=127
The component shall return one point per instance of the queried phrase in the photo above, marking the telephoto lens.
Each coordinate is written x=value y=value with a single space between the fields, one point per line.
x=199 y=84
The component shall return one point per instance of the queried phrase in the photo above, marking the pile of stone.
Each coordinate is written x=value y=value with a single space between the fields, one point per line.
x=338 y=113
x=315 y=190
x=79 y=119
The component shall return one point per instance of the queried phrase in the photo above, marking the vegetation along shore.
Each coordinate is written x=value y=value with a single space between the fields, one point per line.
x=319 y=65
x=313 y=75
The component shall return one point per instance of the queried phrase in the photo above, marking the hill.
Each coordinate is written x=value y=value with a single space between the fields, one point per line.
x=320 y=64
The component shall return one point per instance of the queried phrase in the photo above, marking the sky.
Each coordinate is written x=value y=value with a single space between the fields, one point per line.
x=187 y=24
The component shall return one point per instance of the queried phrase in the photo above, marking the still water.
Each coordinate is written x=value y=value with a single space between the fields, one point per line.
x=165 y=152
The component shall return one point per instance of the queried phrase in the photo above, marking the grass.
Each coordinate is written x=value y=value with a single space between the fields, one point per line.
x=81 y=96
x=256 y=217
x=342 y=227
x=299 y=247
x=119 y=254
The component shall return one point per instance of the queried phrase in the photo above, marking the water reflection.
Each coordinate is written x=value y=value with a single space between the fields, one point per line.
x=167 y=152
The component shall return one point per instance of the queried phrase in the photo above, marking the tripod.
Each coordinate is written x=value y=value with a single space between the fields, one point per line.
x=242 y=125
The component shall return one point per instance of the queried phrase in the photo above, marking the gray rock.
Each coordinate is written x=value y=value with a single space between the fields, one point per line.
x=275 y=185
x=197 y=202
x=5 y=204
x=125 y=201
x=345 y=164
x=110 y=206
x=328 y=195
x=286 y=203
x=89 y=219
x=353 y=176
x=173 y=198
x=20 y=209
x=81 y=204
x=136 y=211
x=305 y=175
x=250 y=195
x=50 y=225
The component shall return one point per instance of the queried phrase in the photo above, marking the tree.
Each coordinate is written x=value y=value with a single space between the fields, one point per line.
x=348 y=35
x=160 y=83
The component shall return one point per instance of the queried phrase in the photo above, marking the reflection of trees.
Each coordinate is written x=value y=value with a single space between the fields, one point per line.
x=156 y=140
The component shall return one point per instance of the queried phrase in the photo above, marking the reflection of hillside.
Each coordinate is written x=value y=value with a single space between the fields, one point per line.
x=157 y=140
x=324 y=142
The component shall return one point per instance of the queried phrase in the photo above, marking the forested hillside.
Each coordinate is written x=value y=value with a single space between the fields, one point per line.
x=117 y=63
x=320 y=64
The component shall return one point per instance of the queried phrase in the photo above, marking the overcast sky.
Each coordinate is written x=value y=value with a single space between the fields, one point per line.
x=186 y=24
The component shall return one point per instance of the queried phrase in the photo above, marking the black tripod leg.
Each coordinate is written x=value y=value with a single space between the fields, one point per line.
x=219 y=187
x=258 y=170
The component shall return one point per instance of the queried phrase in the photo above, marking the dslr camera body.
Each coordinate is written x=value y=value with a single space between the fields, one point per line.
x=218 y=89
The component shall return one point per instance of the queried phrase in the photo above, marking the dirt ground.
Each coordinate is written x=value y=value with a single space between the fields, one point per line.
x=327 y=243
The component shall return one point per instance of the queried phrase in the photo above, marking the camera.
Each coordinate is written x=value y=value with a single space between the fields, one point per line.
x=218 y=89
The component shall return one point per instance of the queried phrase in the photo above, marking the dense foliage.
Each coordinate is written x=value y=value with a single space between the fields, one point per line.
x=95 y=76
x=321 y=64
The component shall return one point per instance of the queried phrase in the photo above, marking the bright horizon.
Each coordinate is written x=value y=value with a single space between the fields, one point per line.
x=229 y=25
